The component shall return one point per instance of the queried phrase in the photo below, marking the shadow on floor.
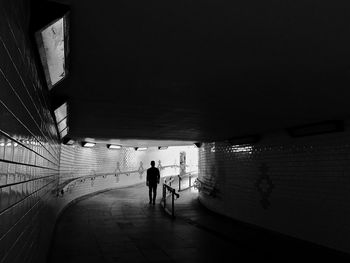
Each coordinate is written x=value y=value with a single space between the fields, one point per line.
x=120 y=226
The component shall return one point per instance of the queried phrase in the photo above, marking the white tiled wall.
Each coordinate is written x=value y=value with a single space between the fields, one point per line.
x=31 y=163
x=77 y=161
x=29 y=146
x=295 y=186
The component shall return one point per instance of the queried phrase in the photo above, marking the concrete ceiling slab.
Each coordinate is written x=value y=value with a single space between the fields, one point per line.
x=204 y=70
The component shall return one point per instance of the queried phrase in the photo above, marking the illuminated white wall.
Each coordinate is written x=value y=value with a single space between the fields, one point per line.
x=77 y=161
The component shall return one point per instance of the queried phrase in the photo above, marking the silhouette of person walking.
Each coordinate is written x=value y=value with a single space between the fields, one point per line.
x=152 y=180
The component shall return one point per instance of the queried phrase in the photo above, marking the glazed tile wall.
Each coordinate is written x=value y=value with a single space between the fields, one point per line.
x=29 y=149
x=295 y=186
x=77 y=161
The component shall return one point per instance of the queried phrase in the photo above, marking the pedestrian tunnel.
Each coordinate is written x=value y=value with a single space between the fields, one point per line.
x=87 y=170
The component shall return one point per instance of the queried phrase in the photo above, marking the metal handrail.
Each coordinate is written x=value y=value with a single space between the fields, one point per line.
x=173 y=195
x=167 y=181
x=170 y=179
x=189 y=175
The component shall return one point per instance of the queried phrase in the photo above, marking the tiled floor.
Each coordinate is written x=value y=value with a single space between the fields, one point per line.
x=120 y=226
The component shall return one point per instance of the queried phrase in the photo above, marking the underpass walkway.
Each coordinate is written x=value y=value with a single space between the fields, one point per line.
x=120 y=226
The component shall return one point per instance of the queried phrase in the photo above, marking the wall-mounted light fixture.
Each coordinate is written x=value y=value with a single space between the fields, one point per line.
x=64 y=132
x=68 y=141
x=316 y=128
x=140 y=148
x=162 y=147
x=113 y=146
x=51 y=29
x=249 y=139
x=61 y=115
x=88 y=144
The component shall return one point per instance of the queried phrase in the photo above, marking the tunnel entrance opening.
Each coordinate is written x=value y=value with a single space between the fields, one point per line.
x=85 y=171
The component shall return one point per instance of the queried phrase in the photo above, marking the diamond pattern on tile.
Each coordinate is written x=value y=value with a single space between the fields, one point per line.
x=264 y=185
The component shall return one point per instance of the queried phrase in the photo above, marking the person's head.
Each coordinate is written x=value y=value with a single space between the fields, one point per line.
x=153 y=163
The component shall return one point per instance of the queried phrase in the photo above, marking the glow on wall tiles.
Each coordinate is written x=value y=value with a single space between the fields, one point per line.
x=29 y=147
x=80 y=161
x=242 y=149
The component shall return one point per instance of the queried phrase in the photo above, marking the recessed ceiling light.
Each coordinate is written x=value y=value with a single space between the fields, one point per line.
x=162 y=147
x=88 y=144
x=140 y=148
x=112 y=146
x=317 y=128
x=70 y=142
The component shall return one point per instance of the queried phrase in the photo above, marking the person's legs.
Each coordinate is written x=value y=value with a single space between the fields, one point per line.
x=150 y=194
x=154 y=193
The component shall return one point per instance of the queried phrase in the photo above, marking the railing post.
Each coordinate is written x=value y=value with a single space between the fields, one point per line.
x=172 y=203
x=179 y=183
x=189 y=181
x=164 y=195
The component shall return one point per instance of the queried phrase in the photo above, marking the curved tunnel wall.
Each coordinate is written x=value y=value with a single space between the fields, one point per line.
x=79 y=162
x=32 y=161
x=298 y=187
x=29 y=146
x=76 y=161
x=295 y=186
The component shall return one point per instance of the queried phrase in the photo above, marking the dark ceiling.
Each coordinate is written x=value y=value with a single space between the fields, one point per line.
x=204 y=70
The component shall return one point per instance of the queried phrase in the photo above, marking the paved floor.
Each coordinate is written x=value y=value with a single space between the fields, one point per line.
x=120 y=226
